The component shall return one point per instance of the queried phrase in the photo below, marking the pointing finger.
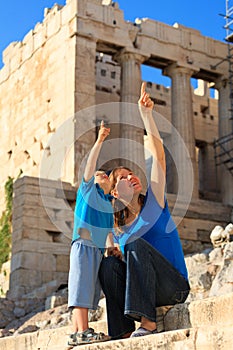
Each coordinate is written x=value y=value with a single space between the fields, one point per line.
x=143 y=88
x=102 y=124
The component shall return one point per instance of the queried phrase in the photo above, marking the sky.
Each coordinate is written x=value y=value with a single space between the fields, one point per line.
x=17 y=18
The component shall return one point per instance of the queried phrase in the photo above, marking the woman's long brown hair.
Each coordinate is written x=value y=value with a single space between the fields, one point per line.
x=121 y=211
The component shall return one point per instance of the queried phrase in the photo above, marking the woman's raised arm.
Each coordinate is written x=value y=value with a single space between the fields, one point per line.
x=158 y=170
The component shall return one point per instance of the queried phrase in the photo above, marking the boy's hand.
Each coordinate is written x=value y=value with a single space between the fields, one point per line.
x=103 y=132
x=145 y=100
x=114 y=251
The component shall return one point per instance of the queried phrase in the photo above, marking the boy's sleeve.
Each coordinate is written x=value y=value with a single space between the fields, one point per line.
x=86 y=185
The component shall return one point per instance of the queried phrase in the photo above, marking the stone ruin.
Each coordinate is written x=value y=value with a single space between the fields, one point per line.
x=220 y=236
x=83 y=55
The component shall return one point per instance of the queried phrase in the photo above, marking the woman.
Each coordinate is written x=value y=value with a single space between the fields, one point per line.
x=152 y=272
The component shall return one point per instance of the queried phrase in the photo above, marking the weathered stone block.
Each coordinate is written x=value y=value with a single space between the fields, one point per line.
x=29 y=180
x=27 y=46
x=24 y=280
x=54 y=184
x=40 y=35
x=32 y=246
x=68 y=13
x=36 y=261
x=216 y=337
x=177 y=317
x=54 y=24
x=61 y=277
x=29 y=211
x=200 y=313
x=18 y=234
x=54 y=301
x=43 y=291
x=16 y=59
x=63 y=263
x=8 y=52
x=47 y=276
x=33 y=222
x=35 y=235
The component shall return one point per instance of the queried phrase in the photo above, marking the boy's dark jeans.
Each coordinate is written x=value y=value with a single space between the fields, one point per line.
x=136 y=287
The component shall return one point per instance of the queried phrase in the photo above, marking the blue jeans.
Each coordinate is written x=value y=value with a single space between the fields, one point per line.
x=136 y=287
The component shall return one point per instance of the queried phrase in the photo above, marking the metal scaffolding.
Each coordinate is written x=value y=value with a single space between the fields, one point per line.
x=229 y=39
x=224 y=152
x=223 y=147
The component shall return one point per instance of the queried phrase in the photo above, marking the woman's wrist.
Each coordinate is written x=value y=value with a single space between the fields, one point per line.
x=145 y=111
x=146 y=115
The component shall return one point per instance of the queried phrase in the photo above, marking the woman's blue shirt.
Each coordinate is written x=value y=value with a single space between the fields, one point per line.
x=156 y=226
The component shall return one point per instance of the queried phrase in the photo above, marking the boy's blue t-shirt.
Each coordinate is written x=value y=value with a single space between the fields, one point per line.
x=156 y=226
x=93 y=211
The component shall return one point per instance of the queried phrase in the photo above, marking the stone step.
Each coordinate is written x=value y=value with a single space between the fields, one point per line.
x=187 y=339
x=198 y=338
x=206 y=312
x=202 y=324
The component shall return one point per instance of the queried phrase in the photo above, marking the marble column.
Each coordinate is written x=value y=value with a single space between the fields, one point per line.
x=131 y=128
x=84 y=105
x=225 y=128
x=183 y=143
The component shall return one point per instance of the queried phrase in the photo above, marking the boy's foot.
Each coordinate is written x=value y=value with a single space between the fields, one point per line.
x=87 y=337
x=142 y=331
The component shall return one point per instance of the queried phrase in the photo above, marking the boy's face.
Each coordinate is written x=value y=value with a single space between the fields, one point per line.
x=102 y=179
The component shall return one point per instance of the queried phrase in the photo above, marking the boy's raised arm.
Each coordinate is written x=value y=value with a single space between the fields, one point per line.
x=94 y=153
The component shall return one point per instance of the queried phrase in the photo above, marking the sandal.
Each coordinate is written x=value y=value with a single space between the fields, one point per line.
x=87 y=337
x=142 y=331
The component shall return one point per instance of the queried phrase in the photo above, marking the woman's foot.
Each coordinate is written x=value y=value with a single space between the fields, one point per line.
x=147 y=324
x=147 y=327
x=141 y=331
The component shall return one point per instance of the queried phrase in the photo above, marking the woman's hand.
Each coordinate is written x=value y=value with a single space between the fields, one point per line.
x=103 y=132
x=145 y=100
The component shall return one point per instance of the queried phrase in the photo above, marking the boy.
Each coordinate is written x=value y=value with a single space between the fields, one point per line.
x=93 y=222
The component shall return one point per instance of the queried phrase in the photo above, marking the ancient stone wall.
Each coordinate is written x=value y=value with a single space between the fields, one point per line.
x=52 y=74
x=42 y=231
x=37 y=92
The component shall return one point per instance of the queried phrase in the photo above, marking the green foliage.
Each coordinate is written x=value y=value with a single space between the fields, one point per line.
x=5 y=223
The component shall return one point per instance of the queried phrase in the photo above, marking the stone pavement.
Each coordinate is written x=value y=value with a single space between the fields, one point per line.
x=199 y=325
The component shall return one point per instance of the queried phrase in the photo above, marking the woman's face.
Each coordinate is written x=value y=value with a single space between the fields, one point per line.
x=127 y=184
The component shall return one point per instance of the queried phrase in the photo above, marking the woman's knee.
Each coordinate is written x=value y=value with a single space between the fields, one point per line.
x=136 y=245
x=109 y=265
x=112 y=274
